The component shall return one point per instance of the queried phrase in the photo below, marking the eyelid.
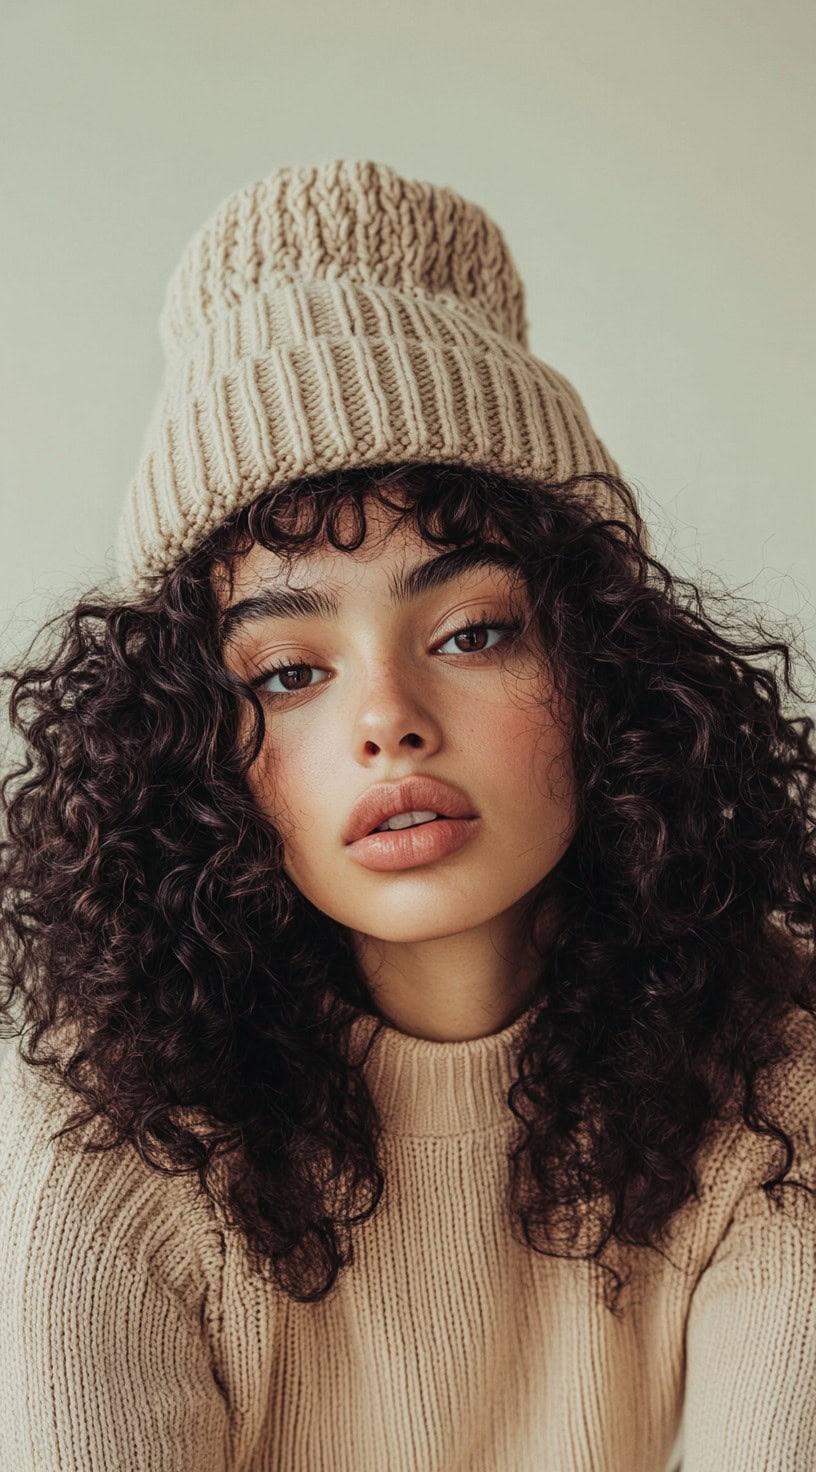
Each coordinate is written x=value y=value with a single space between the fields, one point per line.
x=507 y=622
x=459 y=625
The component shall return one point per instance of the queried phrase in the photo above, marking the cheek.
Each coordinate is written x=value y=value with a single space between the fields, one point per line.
x=266 y=777
x=289 y=785
x=533 y=755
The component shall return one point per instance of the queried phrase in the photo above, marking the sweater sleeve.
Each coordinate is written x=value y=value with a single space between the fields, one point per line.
x=106 y=1363
x=750 y=1402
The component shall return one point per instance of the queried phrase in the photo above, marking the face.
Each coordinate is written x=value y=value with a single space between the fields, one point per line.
x=384 y=692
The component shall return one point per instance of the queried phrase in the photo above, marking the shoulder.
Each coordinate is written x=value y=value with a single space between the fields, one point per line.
x=735 y=1161
x=755 y=1291
x=56 y=1197
x=786 y=1099
x=110 y=1301
x=741 y=1160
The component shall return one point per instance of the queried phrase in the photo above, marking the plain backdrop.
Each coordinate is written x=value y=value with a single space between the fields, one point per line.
x=649 y=163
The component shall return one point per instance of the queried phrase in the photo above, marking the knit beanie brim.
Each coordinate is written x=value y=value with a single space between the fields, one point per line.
x=335 y=316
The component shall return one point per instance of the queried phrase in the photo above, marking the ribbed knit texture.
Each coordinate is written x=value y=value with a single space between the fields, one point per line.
x=332 y=316
x=133 y=1338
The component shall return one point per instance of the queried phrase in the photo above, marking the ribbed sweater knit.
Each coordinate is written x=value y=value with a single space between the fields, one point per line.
x=133 y=1337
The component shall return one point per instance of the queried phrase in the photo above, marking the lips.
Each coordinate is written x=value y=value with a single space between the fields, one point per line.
x=413 y=794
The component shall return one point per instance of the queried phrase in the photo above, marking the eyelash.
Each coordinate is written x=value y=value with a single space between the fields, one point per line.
x=482 y=622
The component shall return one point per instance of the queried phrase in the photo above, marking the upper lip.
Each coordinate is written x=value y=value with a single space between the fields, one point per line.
x=413 y=794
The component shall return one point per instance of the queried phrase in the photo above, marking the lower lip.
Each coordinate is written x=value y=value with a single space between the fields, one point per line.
x=407 y=848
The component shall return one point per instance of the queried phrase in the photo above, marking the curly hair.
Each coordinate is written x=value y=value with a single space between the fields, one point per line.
x=148 y=919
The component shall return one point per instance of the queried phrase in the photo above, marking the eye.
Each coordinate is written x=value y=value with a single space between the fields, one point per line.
x=475 y=627
x=276 y=670
x=300 y=670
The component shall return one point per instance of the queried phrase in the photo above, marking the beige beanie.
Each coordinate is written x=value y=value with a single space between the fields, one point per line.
x=333 y=316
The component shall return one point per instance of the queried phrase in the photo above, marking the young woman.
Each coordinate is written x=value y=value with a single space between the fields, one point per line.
x=408 y=915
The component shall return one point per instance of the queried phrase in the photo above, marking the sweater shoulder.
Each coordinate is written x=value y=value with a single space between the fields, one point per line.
x=110 y=1199
x=786 y=1100
x=740 y=1160
x=110 y=1302
x=733 y=1164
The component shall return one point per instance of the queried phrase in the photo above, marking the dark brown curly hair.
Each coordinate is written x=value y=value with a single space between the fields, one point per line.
x=145 y=907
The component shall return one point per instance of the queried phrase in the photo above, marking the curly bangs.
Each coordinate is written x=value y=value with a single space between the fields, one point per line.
x=169 y=975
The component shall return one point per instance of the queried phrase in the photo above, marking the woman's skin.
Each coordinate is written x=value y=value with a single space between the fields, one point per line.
x=443 y=947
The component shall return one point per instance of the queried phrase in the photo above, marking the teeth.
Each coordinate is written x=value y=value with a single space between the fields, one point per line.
x=405 y=820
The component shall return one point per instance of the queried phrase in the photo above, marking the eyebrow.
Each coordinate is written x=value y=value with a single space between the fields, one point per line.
x=324 y=602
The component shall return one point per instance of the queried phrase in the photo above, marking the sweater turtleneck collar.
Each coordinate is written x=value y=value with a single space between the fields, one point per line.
x=429 y=1088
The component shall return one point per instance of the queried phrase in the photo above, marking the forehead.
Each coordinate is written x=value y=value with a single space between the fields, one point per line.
x=390 y=542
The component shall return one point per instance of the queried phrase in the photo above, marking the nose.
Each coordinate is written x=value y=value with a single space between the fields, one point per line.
x=390 y=717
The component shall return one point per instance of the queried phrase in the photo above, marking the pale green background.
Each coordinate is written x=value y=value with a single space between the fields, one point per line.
x=650 y=165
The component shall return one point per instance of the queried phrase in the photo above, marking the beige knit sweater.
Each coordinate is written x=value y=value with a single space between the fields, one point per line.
x=133 y=1338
